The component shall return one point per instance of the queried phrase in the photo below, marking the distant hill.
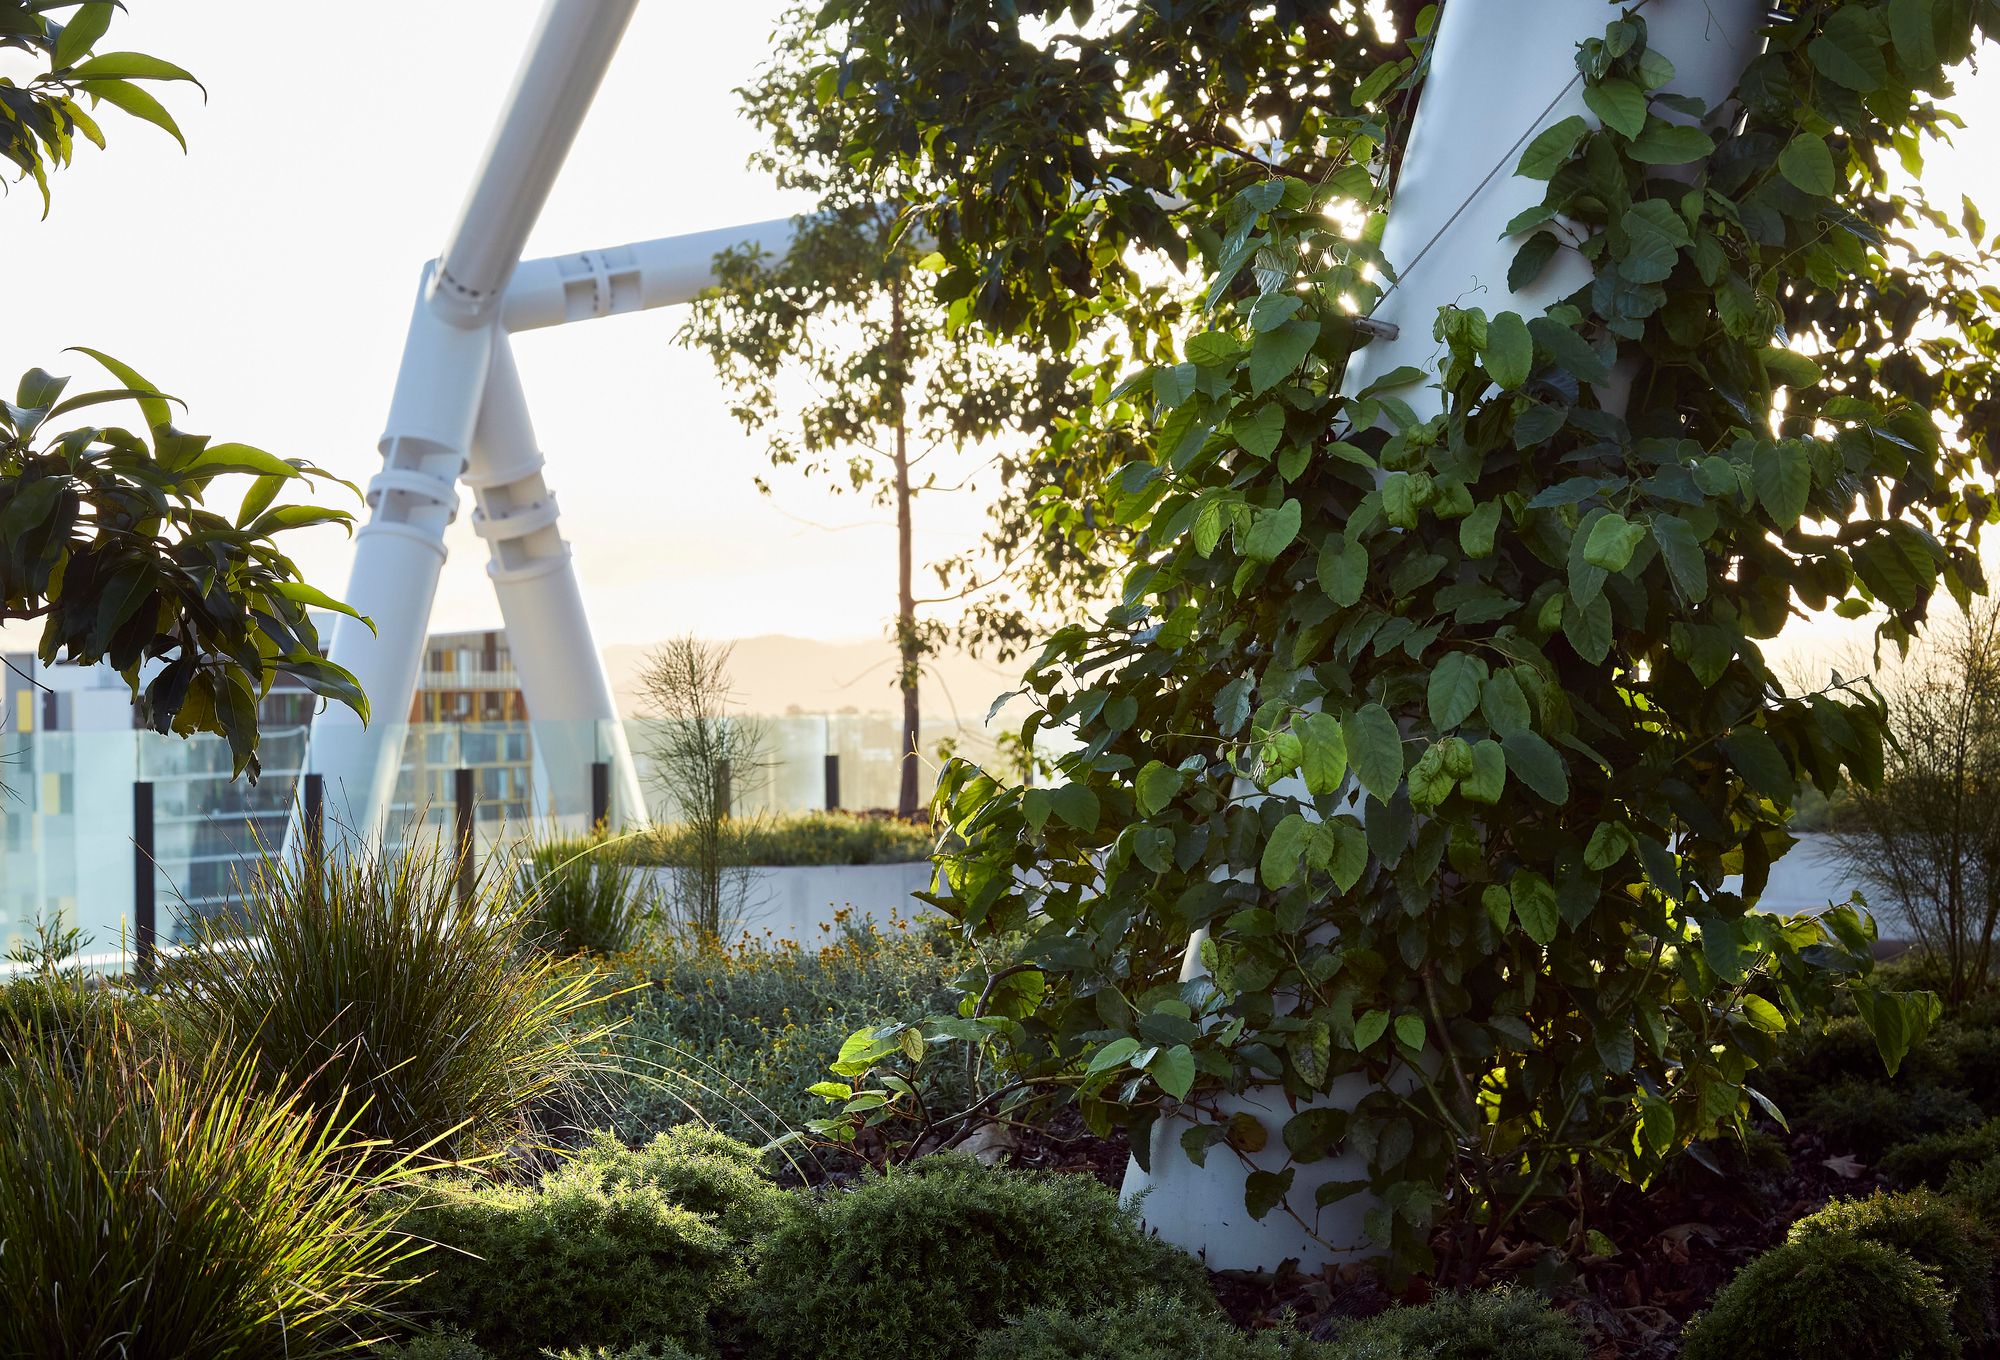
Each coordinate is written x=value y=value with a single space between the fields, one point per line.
x=774 y=674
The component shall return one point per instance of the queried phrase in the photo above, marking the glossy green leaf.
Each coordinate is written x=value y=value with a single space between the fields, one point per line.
x=1375 y=750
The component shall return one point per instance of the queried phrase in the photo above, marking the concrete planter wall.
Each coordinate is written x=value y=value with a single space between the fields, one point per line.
x=799 y=902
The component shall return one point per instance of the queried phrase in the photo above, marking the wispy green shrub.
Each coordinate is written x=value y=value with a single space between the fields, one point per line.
x=613 y=1248
x=800 y=838
x=1868 y=1120
x=375 y=986
x=1932 y=1158
x=155 y=1206
x=1147 y=1328
x=920 y=1261
x=735 y=1036
x=1935 y=1233
x=1500 y=1324
x=1827 y=1296
x=581 y=896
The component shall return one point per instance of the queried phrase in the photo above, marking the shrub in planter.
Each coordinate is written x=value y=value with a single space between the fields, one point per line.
x=1500 y=1324
x=372 y=983
x=735 y=1036
x=1935 y=1233
x=920 y=1261
x=1148 y=1328
x=1868 y=1120
x=155 y=1206
x=1930 y=1159
x=1830 y=1295
x=613 y=1248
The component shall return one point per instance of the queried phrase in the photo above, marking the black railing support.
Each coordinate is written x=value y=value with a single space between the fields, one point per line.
x=312 y=822
x=145 y=922
x=832 y=782
x=462 y=797
x=600 y=794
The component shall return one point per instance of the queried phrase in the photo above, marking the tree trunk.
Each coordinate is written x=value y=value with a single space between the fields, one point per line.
x=909 y=652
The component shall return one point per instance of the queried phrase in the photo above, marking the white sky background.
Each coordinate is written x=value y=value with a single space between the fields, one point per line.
x=267 y=276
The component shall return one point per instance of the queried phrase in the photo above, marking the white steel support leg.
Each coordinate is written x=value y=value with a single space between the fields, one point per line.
x=1495 y=82
x=438 y=392
x=397 y=557
x=569 y=697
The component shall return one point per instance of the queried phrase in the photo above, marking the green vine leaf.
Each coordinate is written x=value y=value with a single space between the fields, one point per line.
x=1552 y=146
x=1375 y=750
x=1808 y=166
x=1510 y=351
x=1619 y=103
x=1664 y=143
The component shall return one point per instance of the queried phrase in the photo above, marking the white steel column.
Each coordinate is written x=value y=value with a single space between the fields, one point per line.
x=1495 y=81
x=570 y=704
x=438 y=393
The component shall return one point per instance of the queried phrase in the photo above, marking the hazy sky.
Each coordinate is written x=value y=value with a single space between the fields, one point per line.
x=266 y=278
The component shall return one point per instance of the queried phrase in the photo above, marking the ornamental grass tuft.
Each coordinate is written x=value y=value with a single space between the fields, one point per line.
x=372 y=987
x=159 y=1205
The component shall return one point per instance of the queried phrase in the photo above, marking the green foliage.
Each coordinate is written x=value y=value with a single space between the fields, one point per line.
x=581 y=898
x=1828 y=1295
x=734 y=1037
x=152 y=1205
x=103 y=536
x=799 y=838
x=1866 y=1119
x=1147 y=1328
x=1977 y=1189
x=1929 y=1160
x=104 y=540
x=1526 y=920
x=455 y=1345
x=41 y=119
x=370 y=981
x=1935 y=1233
x=918 y=1262
x=613 y=1248
x=1501 y=1324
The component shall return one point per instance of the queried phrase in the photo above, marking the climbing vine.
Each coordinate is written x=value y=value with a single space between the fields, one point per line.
x=1455 y=737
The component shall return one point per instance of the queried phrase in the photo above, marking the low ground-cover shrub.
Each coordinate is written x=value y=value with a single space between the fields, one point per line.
x=1976 y=1189
x=920 y=1261
x=1499 y=1324
x=371 y=985
x=1825 y=1296
x=1147 y=1328
x=1863 y=1118
x=156 y=1206
x=1935 y=1233
x=454 y=1345
x=1932 y=1158
x=797 y=838
x=612 y=1248
x=735 y=1036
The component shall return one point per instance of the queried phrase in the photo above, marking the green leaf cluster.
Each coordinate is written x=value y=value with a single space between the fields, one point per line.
x=1453 y=741
x=105 y=540
x=41 y=119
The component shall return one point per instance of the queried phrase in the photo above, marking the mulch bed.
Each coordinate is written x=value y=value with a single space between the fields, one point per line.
x=1677 y=1243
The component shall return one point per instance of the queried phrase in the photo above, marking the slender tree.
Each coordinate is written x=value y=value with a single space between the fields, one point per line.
x=1925 y=843
x=844 y=355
